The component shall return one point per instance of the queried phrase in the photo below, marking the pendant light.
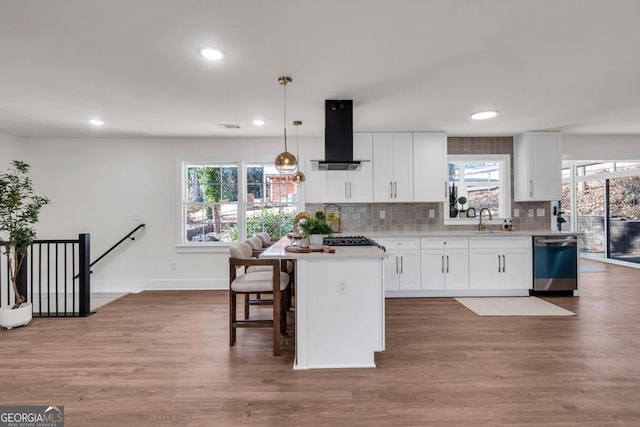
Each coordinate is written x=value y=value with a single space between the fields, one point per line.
x=286 y=162
x=297 y=177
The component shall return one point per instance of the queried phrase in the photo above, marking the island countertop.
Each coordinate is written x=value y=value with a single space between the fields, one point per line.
x=467 y=233
x=277 y=251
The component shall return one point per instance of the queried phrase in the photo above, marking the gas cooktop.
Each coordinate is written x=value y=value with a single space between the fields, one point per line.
x=351 y=241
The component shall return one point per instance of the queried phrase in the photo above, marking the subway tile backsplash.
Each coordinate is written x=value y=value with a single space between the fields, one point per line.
x=365 y=217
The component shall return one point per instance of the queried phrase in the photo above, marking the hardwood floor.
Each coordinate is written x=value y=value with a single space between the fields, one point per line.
x=162 y=359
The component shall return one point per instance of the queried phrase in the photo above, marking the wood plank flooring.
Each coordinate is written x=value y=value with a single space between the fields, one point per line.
x=162 y=359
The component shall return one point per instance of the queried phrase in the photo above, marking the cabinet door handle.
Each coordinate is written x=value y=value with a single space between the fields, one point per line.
x=395 y=189
x=350 y=190
x=442 y=264
x=446 y=190
x=447 y=264
x=402 y=264
x=504 y=263
x=499 y=266
x=391 y=189
x=396 y=265
x=530 y=188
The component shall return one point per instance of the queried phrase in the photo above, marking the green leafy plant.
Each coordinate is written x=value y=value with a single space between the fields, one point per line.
x=463 y=201
x=316 y=224
x=19 y=212
x=453 y=195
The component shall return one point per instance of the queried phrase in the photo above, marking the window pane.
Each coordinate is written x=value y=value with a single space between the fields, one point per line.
x=625 y=166
x=481 y=171
x=479 y=197
x=194 y=214
x=566 y=173
x=454 y=172
x=624 y=208
x=590 y=210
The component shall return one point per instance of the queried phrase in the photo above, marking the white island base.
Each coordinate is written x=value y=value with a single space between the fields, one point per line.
x=339 y=305
x=339 y=312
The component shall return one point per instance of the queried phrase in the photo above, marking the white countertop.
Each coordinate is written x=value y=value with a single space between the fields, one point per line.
x=465 y=233
x=277 y=250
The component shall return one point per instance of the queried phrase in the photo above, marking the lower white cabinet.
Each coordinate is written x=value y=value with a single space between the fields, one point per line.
x=500 y=263
x=444 y=263
x=402 y=267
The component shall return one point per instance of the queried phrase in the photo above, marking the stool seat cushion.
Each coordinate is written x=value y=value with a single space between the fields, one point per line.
x=258 y=282
x=256 y=268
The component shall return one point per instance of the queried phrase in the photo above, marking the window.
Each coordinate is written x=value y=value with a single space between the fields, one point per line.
x=226 y=202
x=271 y=201
x=481 y=180
x=210 y=207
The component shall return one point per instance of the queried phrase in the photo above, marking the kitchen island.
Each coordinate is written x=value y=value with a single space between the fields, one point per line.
x=339 y=305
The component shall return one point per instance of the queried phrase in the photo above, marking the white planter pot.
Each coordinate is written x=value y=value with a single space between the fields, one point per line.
x=10 y=318
x=315 y=241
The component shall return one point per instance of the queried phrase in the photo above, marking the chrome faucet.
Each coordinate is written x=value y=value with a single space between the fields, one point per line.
x=482 y=226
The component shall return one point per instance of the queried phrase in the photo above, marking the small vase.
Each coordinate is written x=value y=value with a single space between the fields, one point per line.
x=315 y=241
x=453 y=212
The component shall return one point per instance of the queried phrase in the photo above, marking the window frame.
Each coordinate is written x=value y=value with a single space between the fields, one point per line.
x=504 y=206
x=182 y=245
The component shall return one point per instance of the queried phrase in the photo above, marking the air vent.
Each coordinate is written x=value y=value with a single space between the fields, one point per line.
x=229 y=126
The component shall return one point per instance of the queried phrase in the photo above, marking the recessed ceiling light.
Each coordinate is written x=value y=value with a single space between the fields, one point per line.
x=212 y=54
x=482 y=115
x=96 y=122
x=258 y=122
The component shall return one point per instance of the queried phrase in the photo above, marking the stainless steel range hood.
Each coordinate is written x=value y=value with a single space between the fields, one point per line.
x=338 y=138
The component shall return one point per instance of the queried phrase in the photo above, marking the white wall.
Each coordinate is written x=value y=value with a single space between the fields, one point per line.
x=600 y=147
x=98 y=185
x=11 y=148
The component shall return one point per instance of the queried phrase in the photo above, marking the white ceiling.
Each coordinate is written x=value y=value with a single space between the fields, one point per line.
x=569 y=65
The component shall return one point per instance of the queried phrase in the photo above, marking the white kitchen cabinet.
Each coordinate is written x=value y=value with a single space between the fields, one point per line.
x=402 y=267
x=500 y=263
x=353 y=186
x=392 y=167
x=538 y=167
x=430 y=167
x=444 y=263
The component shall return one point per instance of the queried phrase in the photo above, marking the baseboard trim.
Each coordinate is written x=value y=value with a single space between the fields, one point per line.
x=125 y=286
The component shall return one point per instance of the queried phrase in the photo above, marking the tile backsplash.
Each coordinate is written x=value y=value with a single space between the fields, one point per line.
x=365 y=217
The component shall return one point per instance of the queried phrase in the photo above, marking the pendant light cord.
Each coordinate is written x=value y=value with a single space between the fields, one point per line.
x=285 y=117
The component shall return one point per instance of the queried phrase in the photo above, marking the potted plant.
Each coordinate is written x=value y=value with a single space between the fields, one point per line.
x=463 y=201
x=19 y=211
x=316 y=227
x=453 y=201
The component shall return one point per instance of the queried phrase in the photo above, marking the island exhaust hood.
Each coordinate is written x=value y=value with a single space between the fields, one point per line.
x=338 y=138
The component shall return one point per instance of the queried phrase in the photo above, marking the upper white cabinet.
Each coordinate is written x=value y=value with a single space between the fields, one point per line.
x=430 y=169
x=537 y=168
x=392 y=167
x=356 y=186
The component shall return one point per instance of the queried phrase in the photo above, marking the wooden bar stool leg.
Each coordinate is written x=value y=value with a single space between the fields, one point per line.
x=246 y=306
x=232 y=318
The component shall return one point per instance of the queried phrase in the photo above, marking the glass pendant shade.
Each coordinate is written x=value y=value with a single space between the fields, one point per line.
x=286 y=163
x=297 y=177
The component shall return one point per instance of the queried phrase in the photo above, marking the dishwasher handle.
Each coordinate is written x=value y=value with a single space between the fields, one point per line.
x=571 y=241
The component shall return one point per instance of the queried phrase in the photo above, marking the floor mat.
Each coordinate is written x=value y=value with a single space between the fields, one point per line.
x=513 y=306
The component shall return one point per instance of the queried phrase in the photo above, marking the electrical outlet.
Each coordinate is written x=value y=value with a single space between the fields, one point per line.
x=516 y=213
x=540 y=212
x=530 y=213
x=382 y=214
x=342 y=287
x=432 y=213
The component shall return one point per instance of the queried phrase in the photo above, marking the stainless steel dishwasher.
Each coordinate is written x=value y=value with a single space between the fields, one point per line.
x=555 y=263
